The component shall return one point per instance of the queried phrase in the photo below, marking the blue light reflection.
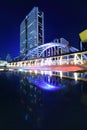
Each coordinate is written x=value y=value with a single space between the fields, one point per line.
x=43 y=82
x=50 y=87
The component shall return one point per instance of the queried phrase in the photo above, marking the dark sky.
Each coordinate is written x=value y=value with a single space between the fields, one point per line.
x=63 y=18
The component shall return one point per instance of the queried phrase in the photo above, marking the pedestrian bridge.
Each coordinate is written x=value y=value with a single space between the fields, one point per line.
x=3 y=63
x=52 y=56
x=65 y=62
x=50 y=49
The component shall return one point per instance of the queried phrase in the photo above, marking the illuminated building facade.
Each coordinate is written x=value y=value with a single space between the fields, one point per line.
x=61 y=50
x=23 y=37
x=32 y=31
x=57 y=50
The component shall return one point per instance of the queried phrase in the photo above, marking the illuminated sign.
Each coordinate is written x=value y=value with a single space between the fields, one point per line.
x=83 y=36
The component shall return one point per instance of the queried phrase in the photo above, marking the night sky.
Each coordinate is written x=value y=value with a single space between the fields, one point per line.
x=63 y=18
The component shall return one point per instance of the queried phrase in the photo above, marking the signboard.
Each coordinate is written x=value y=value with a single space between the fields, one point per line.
x=83 y=36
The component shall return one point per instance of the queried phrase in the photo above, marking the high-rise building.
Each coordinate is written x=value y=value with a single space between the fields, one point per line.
x=23 y=37
x=32 y=31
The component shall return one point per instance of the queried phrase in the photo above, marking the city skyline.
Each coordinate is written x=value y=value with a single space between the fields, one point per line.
x=62 y=19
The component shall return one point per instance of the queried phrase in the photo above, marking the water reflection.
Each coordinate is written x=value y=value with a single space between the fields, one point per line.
x=49 y=82
x=51 y=101
x=32 y=101
x=44 y=108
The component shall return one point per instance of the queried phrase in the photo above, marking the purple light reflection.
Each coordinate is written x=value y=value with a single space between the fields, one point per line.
x=41 y=83
x=49 y=87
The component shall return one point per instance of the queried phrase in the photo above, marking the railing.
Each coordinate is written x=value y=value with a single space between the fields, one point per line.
x=73 y=58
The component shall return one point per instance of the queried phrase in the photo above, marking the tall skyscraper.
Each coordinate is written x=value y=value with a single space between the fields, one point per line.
x=32 y=31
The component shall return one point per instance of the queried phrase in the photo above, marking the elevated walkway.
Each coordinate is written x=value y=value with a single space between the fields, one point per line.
x=3 y=63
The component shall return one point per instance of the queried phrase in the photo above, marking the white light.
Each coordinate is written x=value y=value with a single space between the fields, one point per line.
x=21 y=70
x=35 y=71
x=75 y=76
x=30 y=71
x=61 y=74
x=75 y=58
x=49 y=62
x=42 y=72
x=60 y=61
x=50 y=73
x=10 y=69
x=1 y=69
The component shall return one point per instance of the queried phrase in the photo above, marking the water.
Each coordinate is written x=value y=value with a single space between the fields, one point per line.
x=31 y=101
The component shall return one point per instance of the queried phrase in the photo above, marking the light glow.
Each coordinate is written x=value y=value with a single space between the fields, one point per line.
x=1 y=69
x=75 y=76
x=75 y=61
x=49 y=87
x=42 y=72
x=20 y=69
x=40 y=82
x=11 y=69
x=35 y=71
x=61 y=74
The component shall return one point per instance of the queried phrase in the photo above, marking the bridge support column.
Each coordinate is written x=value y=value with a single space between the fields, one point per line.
x=67 y=57
x=75 y=58
x=81 y=59
x=60 y=61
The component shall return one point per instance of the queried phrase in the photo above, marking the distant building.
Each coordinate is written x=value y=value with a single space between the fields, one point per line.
x=32 y=31
x=66 y=43
x=57 y=50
